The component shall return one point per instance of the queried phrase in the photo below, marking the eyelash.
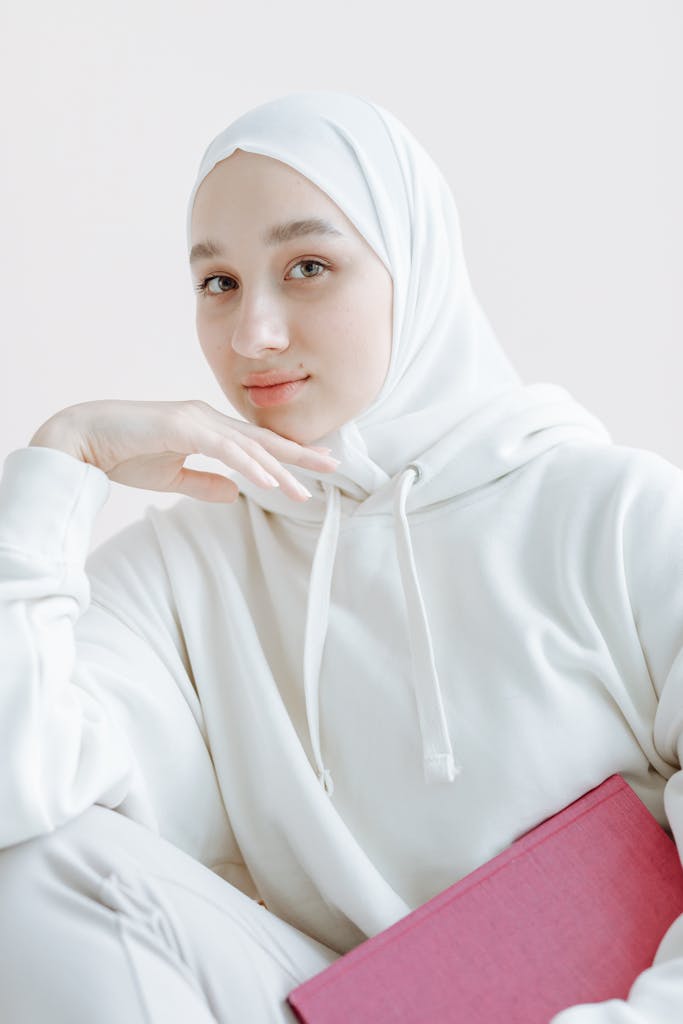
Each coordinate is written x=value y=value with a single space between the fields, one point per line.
x=203 y=287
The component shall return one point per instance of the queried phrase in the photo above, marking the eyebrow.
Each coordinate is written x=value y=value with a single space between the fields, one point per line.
x=275 y=235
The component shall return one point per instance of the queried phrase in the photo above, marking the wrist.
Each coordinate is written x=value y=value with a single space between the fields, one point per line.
x=56 y=434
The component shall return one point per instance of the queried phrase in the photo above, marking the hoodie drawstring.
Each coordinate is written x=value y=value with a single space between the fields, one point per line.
x=437 y=754
x=438 y=762
x=316 y=624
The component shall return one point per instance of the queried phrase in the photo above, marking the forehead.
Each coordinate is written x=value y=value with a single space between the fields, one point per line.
x=249 y=190
x=243 y=177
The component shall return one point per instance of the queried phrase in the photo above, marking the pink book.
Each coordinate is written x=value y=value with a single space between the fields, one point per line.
x=571 y=913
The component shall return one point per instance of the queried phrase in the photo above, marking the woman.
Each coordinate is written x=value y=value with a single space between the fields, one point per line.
x=339 y=701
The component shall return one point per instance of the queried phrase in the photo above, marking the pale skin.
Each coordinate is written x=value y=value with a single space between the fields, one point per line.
x=316 y=304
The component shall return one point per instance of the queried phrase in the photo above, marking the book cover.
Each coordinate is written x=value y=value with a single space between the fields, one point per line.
x=571 y=912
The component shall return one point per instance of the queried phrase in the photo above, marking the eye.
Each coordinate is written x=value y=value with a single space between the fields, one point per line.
x=310 y=263
x=204 y=287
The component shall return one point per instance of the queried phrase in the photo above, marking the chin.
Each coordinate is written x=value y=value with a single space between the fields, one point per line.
x=290 y=423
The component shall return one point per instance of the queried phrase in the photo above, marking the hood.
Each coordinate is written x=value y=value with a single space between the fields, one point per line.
x=452 y=415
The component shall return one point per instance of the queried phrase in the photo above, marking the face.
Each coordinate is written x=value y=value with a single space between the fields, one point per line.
x=315 y=306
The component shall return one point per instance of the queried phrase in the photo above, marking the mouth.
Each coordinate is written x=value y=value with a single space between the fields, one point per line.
x=276 y=394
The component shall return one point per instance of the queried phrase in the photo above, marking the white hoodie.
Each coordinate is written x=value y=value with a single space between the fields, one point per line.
x=344 y=706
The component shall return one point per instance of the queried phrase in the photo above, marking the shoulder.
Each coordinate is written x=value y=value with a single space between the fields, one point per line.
x=628 y=503
x=616 y=460
x=622 y=477
x=617 y=510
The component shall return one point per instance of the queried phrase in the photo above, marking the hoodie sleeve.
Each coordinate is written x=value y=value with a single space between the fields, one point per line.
x=651 y=525
x=96 y=703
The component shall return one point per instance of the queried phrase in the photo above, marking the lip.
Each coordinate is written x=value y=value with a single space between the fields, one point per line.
x=270 y=377
x=276 y=394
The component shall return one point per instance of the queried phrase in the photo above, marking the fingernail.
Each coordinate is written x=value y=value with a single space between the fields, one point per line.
x=304 y=490
x=269 y=480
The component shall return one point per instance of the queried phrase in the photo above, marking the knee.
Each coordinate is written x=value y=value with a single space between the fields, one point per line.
x=53 y=923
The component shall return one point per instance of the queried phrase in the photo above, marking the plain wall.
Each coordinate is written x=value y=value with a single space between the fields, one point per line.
x=557 y=125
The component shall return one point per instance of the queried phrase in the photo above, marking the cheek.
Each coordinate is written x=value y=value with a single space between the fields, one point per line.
x=211 y=339
x=203 y=332
x=368 y=332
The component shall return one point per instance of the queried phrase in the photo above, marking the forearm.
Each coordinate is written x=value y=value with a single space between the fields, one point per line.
x=60 y=753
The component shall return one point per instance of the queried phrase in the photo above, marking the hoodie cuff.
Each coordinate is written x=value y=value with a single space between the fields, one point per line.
x=49 y=501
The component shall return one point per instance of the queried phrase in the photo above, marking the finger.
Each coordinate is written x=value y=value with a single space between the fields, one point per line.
x=206 y=486
x=272 y=465
x=286 y=450
x=282 y=448
x=252 y=450
x=233 y=454
x=193 y=431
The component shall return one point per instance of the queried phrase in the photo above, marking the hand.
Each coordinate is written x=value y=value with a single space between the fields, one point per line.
x=144 y=444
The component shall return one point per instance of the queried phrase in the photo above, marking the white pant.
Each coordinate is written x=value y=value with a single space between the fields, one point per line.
x=103 y=921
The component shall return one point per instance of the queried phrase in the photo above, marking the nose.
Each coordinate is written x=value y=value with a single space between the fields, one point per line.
x=258 y=330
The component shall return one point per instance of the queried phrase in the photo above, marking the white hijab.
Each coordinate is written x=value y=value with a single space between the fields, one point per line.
x=452 y=413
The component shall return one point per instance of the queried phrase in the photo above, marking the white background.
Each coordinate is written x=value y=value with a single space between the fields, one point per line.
x=557 y=125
